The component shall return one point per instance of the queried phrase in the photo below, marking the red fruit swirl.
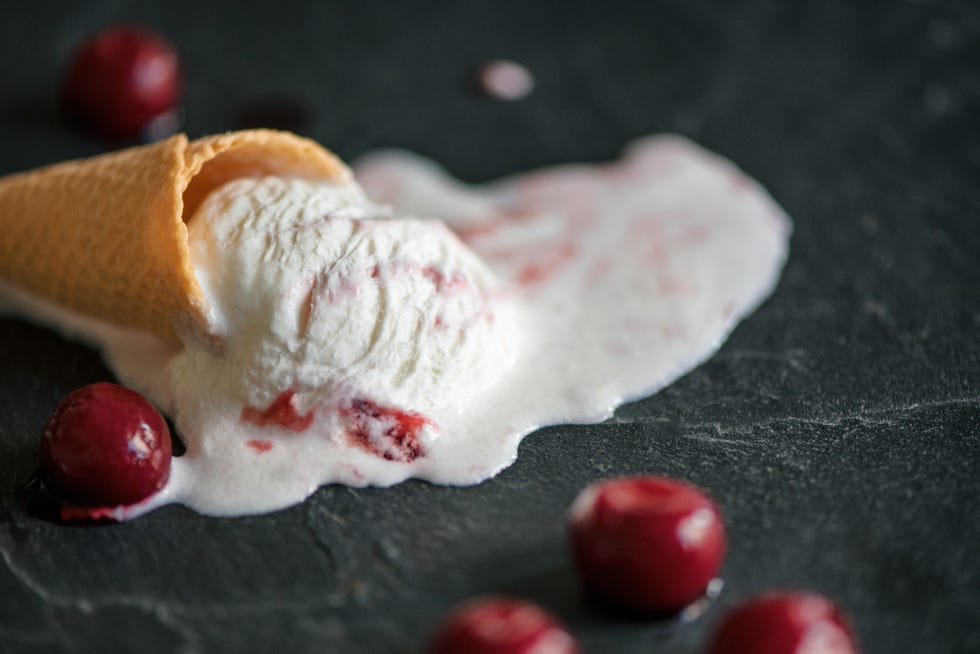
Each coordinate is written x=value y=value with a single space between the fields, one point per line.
x=387 y=432
x=283 y=412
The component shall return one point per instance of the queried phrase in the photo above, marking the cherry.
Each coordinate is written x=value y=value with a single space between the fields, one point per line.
x=105 y=445
x=502 y=625
x=121 y=79
x=646 y=544
x=792 y=622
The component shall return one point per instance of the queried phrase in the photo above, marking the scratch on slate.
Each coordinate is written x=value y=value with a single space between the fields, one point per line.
x=324 y=547
x=159 y=610
x=703 y=432
x=881 y=415
x=171 y=615
x=794 y=357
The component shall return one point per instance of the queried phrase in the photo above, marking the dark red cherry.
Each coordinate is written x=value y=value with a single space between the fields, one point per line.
x=646 y=544
x=502 y=625
x=793 y=622
x=121 y=79
x=105 y=445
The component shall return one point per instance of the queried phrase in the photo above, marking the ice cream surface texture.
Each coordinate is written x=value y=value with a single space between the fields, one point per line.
x=349 y=338
x=318 y=293
x=353 y=344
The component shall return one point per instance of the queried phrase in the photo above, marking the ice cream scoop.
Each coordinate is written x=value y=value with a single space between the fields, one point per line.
x=317 y=293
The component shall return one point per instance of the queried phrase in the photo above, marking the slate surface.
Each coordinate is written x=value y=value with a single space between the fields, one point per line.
x=838 y=427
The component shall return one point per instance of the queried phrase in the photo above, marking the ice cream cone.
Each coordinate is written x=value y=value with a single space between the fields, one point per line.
x=106 y=236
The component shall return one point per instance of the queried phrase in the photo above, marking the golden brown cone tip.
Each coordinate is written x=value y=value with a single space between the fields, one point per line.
x=106 y=236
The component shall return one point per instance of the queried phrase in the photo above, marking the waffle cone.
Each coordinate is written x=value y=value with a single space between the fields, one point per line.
x=106 y=236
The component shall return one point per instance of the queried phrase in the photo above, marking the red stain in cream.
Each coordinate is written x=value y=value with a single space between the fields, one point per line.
x=738 y=181
x=501 y=219
x=341 y=286
x=546 y=266
x=355 y=472
x=118 y=513
x=475 y=232
x=443 y=282
x=259 y=446
x=597 y=271
x=281 y=413
x=671 y=286
x=657 y=254
x=695 y=235
x=388 y=432
x=71 y=513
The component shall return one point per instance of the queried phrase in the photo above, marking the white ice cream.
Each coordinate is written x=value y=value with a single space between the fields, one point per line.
x=361 y=348
x=349 y=338
x=317 y=292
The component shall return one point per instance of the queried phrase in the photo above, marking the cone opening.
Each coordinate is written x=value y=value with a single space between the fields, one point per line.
x=106 y=237
x=210 y=162
x=213 y=161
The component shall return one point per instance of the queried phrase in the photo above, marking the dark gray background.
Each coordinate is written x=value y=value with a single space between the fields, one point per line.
x=838 y=427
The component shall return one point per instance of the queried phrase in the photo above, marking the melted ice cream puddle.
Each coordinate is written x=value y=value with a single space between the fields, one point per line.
x=603 y=283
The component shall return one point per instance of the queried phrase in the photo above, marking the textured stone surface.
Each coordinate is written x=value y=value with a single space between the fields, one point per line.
x=839 y=428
